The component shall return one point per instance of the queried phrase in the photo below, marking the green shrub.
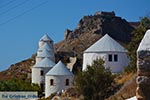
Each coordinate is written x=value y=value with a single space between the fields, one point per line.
x=18 y=85
x=136 y=37
x=94 y=83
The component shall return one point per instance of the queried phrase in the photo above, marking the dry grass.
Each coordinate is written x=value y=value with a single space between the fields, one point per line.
x=121 y=79
x=128 y=89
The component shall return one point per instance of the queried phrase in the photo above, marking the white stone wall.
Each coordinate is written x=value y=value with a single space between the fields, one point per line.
x=59 y=84
x=115 y=67
x=36 y=75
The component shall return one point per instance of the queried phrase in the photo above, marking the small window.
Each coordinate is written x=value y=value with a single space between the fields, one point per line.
x=67 y=82
x=42 y=72
x=52 y=82
x=110 y=57
x=40 y=50
x=51 y=42
x=115 y=58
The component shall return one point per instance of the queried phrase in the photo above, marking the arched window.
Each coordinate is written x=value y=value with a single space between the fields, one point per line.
x=67 y=82
x=52 y=82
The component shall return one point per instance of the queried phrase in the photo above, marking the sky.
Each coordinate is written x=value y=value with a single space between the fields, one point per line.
x=24 y=22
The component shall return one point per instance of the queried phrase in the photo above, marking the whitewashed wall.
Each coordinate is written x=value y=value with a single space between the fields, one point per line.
x=59 y=84
x=36 y=75
x=115 y=67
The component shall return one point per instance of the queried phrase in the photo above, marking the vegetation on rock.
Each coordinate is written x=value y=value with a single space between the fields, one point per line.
x=136 y=37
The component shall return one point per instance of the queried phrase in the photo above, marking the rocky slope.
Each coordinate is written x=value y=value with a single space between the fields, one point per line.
x=89 y=30
x=20 y=70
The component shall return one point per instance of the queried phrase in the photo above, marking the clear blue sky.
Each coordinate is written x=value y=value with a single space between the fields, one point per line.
x=24 y=22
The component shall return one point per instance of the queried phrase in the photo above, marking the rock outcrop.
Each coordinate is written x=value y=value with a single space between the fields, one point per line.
x=143 y=68
x=67 y=31
x=91 y=28
x=104 y=23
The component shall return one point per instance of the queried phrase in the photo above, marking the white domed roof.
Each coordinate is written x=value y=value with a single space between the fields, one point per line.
x=46 y=38
x=45 y=53
x=106 y=44
x=46 y=62
x=59 y=69
x=46 y=46
x=145 y=43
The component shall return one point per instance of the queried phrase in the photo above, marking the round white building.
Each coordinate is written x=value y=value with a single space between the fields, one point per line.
x=45 y=60
x=114 y=55
x=57 y=79
x=39 y=71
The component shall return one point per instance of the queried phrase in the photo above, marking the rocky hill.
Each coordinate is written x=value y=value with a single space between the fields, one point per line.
x=89 y=29
x=20 y=70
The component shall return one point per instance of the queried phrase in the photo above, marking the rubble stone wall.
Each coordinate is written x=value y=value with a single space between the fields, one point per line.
x=143 y=69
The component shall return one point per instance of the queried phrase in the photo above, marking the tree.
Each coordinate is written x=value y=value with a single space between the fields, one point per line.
x=95 y=82
x=136 y=37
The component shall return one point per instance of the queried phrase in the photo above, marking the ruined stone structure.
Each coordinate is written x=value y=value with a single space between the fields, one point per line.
x=102 y=13
x=143 y=68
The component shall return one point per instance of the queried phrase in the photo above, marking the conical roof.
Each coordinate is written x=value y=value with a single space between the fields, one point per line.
x=46 y=46
x=46 y=62
x=145 y=43
x=46 y=38
x=106 y=44
x=59 y=69
x=45 y=53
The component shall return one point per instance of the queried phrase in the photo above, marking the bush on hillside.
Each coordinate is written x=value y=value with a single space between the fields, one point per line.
x=18 y=85
x=96 y=82
x=136 y=37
